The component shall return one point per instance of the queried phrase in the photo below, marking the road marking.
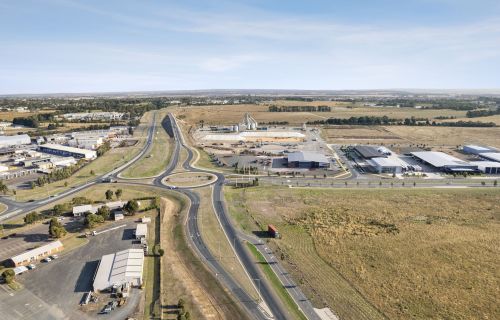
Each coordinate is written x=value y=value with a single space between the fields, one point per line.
x=110 y=229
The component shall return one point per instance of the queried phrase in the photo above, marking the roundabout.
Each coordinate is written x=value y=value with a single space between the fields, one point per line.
x=189 y=180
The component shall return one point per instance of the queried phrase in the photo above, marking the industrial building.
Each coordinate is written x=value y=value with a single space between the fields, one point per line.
x=473 y=149
x=385 y=165
x=79 y=211
x=488 y=167
x=141 y=231
x=36 y=254
x=491 y=156
x=306 y=159
x=369 y=152
x=444 y=162
x=16 y=140
x=68 y=151
x=119 y=268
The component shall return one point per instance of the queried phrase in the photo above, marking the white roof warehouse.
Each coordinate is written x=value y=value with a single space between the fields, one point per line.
x=119 y=268
x=445 y=162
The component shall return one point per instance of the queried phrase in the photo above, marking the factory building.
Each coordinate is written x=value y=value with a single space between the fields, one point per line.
x=16 y=140
x=116 y=269
x=385 y=165
x=488 y=167
x=68 y=151
x=307 y=160
x=36 y=254
x=444 y=162
x=369 y=152
x=473 y=149
x=141 y=231
x=491 y=156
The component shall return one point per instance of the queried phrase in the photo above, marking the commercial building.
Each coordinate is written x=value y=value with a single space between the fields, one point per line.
x=16 y=140
x=488 y=167
x=385 y=165
x=119 y=268
x=306 y=159
x=68 y=151
x=33 y=255
x=87 y=116
x=79 y=211
x=473 y=149
x=368 y=152
x=491 y=156
x=141 y=231
x=444 y=162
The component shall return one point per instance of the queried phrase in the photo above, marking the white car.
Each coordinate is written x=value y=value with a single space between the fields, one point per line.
x=31 y=266
x=54 y=256
x=47 y=259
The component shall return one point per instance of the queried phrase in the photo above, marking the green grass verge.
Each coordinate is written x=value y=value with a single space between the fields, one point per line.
x=280 y=289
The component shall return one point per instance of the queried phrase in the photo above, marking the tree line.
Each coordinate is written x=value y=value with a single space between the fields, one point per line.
x=482 y=113
x=375 y=120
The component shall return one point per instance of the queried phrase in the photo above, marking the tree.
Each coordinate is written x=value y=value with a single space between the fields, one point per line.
x=181 y=303
x=56 y=230
x=131 y=207
x=109 y=194
x=9 y=276
x=32 y=184
x=495 y=183
x=91 y=220
x=104 y=212
x=31 y=217
x=118 y=193
x=3 y=187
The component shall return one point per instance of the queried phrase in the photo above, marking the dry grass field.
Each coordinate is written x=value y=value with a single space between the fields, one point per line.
x=401 y=254
x=231 y=114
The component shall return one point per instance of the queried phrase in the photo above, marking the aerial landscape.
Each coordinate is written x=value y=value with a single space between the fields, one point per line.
x=318 y=160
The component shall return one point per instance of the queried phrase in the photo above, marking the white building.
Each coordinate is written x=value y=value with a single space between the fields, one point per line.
x=141 y=231
x=119 y=268
x=16 y=140
x=473 y=149
x=385 y=165
x=87 y=116
x=79 y=211
x=488 y=167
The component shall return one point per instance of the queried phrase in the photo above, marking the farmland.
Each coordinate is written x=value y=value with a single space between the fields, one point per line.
x=427 y=253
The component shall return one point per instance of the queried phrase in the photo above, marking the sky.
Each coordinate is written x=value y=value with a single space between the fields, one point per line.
x=63 y=46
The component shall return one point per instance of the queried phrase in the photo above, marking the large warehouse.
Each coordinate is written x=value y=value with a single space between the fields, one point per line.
x=369 y=152
x=491 y=156
x=444 y=162
x=119 y=268
x=488 y=167
x=307 y=159
x=385 y=165
x=68 y=151
x=473 y=149
x=17 y=140
x=36 y=254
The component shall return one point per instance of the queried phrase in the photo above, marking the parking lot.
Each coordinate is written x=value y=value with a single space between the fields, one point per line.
x=54 y=290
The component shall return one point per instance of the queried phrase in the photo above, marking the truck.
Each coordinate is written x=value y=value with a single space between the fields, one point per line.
x=273 y=232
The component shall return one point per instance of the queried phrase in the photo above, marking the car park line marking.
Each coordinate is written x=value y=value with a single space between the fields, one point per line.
x=111 y=229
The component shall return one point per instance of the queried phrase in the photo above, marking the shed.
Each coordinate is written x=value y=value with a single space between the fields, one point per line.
x=35 y=254
x=119 y=268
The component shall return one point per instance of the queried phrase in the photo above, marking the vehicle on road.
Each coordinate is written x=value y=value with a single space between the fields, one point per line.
x=31 y=266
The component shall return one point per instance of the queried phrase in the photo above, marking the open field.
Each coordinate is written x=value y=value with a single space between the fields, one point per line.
x=10 y=115
x=418 y=254
x=111 y=159
x=155 y=161
x=232 y=114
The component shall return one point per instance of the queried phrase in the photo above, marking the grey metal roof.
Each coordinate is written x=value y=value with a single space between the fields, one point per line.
x=368 y=152
x=494 y=156
x=118 y=268
x=440 y=159
x=307 y=156
x=384 y=162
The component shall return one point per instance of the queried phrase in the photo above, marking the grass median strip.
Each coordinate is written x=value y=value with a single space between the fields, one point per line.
x=280 y=289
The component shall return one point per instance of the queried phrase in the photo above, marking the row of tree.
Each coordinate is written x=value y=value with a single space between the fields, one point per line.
x=482 y=113
x=375 y=120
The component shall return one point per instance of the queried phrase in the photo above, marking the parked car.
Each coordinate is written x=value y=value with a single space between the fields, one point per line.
x=54 y=256
x=31 y=266
x=48 y=259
